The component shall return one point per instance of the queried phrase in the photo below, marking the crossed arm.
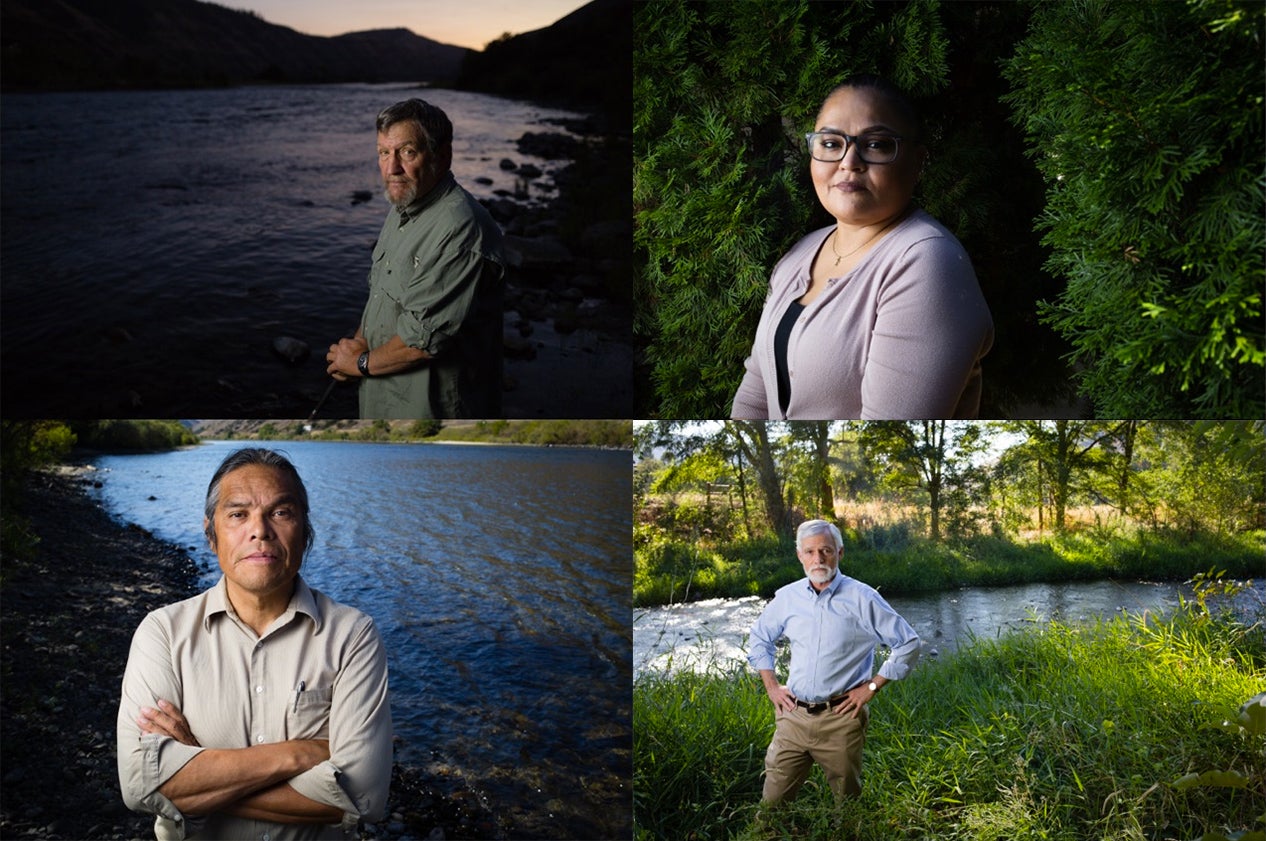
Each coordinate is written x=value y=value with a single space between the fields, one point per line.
x=244 y=782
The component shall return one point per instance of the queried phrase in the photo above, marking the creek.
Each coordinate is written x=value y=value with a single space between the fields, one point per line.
x=713 y=633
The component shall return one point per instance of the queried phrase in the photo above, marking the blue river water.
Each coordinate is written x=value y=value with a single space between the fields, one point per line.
x=500 y=578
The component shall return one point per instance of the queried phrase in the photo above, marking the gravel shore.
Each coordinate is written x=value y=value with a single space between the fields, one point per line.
x=67 y=613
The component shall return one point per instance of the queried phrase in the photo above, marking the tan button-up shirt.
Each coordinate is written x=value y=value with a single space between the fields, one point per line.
x=318 y=672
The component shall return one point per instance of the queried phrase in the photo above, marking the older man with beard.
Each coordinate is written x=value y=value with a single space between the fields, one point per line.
x=429 y=343
x=834 y=624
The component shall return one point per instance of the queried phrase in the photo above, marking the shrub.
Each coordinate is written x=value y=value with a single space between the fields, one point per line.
x=721 y=94
x=1146 y=120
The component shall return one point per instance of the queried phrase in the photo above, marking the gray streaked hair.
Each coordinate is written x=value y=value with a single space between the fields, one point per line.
x=811 y=527
x=265 y=458
x=437 y=129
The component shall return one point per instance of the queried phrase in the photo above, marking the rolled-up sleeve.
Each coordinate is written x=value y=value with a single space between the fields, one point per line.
x=896 y=633
x=436 y=302
x=764 y=636
x=357 y=776
x=146 y=761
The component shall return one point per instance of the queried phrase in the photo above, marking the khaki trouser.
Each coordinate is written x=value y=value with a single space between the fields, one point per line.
x=802 y=738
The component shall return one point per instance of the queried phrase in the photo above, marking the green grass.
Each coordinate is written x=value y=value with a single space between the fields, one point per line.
x=1060 y=732
x=671 y=570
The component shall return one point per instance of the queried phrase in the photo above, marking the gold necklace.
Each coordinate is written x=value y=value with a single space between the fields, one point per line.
x=839 y=256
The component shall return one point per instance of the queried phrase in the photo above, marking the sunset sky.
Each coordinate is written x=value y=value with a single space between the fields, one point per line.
x=466 y=23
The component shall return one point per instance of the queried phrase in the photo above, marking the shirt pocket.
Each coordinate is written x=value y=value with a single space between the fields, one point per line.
x=309 y=714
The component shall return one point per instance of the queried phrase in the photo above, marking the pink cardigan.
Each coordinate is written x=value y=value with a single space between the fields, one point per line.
x=901 y=336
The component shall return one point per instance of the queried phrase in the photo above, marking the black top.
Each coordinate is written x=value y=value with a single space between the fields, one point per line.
x=781 y=336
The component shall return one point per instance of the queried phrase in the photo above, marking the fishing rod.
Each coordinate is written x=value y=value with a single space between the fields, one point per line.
x=326 y=396
x=329 y=389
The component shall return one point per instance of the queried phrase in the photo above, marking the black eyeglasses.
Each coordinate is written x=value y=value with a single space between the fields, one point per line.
x=831 y=146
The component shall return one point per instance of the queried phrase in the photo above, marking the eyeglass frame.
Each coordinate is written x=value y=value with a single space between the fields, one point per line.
x=850 y=141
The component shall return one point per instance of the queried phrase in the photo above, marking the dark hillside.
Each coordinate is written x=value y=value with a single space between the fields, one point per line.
x=77 y=44
x=583 y=60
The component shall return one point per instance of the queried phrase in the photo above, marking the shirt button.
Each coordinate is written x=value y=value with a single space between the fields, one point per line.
x=259 y=739
x=258 y=689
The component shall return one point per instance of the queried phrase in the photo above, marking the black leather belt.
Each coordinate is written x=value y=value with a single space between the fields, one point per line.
x=819 y=706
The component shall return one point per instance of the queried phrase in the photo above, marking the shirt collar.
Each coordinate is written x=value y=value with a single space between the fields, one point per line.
x=301 y=601
x=833 y=587
x=419 y=206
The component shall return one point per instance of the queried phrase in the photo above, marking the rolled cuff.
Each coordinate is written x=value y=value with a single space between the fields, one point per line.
x=165 y=829
x=161 y=758
x=321 y=783
x=761 y=661
x=902 y=661
x=423 y=333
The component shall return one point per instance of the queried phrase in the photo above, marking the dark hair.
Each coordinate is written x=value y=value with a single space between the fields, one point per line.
x=891 y=92
x=437 y=129
x=266 y=458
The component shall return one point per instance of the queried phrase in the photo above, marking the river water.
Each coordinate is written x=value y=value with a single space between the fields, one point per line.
x=713 y=633
x=154 y=244
x=500 y=578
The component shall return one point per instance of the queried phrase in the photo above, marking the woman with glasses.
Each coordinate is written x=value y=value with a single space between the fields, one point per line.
x=880 y=314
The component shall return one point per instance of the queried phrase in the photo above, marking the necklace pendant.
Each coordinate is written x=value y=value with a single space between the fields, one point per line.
x=837 y=260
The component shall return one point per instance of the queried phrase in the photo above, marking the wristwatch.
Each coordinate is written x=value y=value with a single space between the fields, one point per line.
x=872 y=686
x=362 y=364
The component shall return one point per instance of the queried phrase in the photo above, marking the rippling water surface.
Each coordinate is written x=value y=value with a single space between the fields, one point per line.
x=706 y=634
x=500 y=578
x=154 y=244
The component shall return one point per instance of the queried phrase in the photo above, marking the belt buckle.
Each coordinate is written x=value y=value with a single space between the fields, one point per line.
x=817 y=707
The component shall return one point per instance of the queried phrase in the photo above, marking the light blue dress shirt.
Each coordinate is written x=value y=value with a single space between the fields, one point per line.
x=833 y=636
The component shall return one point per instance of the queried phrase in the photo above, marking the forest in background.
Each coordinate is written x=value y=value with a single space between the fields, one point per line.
x=927 y=505
x=1100 y=162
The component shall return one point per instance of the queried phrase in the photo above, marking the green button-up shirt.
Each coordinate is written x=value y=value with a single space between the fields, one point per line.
x=436 y=282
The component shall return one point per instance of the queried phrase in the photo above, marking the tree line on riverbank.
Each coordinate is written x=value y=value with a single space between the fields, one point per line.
x=931 y=505
x=616 y=434
x=25 y=445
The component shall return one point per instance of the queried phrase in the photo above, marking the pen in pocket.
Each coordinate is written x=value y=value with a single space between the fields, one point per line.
x=298 y=692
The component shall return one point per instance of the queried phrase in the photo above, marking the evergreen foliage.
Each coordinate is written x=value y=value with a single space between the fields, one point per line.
x=1146 y=120
x=723 y=93
x=1122 y=241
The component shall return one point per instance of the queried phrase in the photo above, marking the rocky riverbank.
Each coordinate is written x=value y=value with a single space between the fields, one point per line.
x=68 y=608
x=567 y=331
x=568 y=317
